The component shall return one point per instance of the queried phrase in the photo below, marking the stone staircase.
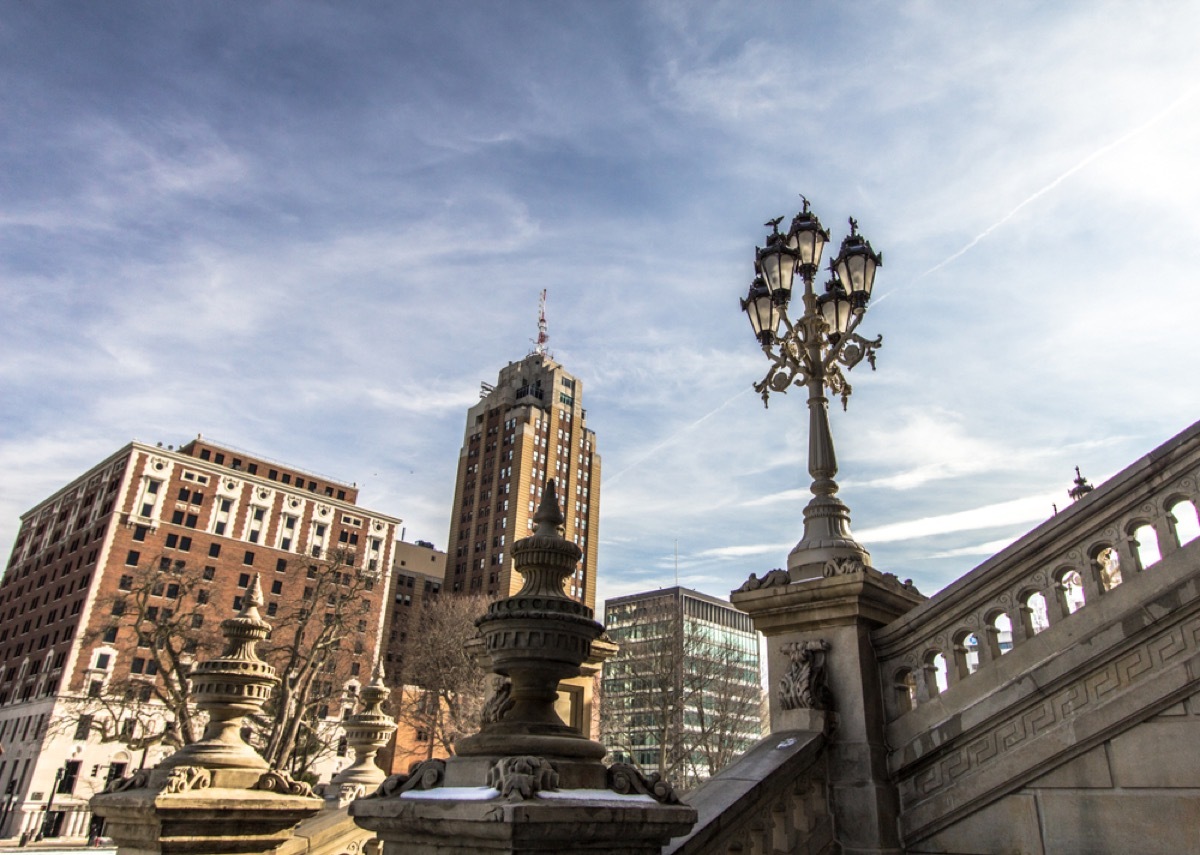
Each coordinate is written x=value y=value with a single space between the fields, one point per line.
x=1080 y=736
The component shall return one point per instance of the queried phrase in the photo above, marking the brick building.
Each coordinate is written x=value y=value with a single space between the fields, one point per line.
x=529 y=426
x=211 y=511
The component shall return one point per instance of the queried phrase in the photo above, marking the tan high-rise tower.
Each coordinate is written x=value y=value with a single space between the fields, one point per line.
x=529 y=427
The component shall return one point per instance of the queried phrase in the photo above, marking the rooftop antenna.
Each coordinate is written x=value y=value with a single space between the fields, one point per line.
x=676 y=563
x=543 y=337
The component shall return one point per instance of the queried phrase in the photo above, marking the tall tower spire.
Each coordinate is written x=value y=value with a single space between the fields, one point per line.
x=543 y=337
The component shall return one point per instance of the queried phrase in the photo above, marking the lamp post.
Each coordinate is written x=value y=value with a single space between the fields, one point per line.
x=812 y=351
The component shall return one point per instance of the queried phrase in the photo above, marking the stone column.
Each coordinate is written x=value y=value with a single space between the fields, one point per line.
x=527 y=782
x=216 y=795
x=823 y=674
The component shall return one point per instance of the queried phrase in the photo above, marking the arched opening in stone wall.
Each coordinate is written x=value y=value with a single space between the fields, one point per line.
x=1185 y=520
x=936 y=672
x=999 y=633
x=1145 y=545
x=905 y=687
x=1034 y=614
x=1108 y=567
x=1070 y=589
x=966 y=653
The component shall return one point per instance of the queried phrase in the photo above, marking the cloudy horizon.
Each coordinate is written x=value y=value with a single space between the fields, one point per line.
x=311 y=230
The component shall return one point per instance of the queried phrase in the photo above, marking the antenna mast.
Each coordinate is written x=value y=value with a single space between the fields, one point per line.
x=539 y=344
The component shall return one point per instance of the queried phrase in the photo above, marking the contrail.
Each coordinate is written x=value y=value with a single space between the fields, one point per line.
x=1100 y=152
x=607 y=480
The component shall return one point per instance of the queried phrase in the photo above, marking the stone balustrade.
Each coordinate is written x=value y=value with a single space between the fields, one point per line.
x=1141 y=516
x=772 y=799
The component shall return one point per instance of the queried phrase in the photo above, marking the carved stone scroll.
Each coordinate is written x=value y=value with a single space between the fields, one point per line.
x=803 y=686
x=425 y=775
x=627 y=780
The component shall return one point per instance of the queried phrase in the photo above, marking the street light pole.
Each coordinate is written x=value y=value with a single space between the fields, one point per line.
x=811 y=352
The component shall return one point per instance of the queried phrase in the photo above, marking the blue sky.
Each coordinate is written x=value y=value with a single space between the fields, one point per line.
x=311 y=229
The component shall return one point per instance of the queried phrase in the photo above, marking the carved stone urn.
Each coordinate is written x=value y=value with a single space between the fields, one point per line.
x=536 y=638
x=217 y=794
x=527 y=782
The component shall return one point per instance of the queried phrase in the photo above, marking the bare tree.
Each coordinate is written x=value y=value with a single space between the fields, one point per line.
x=445 y=685
x=312 y=647
x=166 y=607
x=679 y=699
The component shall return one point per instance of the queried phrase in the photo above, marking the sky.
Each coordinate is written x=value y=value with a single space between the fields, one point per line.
x=311 y=230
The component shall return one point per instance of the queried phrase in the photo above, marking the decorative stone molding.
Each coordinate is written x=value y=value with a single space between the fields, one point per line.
x=628 y=780
x=520 y=778
x=184 y=778
x=277 y=781
x=842 y=567
x=137 y=781
x=773 y=578
x=426 y=775
x=499 y=703
x=803 y=686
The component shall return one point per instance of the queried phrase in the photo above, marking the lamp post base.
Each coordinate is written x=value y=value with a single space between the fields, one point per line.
x=827 y=548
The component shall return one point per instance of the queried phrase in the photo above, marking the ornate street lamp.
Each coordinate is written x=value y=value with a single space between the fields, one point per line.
x=812 y=351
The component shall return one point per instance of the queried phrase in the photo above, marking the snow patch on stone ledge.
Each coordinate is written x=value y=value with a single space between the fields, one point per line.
x=483 y=794
x=594 y=796
x=456 y=794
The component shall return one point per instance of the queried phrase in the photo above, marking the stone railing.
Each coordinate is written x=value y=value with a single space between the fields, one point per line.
x=1087 y=625
x=1070 y=562
x=771 y=799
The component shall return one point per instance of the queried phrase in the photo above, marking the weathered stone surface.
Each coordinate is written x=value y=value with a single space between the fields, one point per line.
x=785 y=769
x=1158 y=754
x=1086 y=771
x=1148 y=824
x=1009 y=826
x=416 y=824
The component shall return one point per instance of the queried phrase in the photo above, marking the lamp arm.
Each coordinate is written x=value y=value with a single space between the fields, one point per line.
x=789 y=361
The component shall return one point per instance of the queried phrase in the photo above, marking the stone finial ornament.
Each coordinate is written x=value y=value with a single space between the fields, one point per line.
x=803 y=686
x=367 y=731
x=235 y=684
x=534 y=639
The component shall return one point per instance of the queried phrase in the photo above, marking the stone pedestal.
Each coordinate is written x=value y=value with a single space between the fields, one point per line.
x=819 y=657
x=528 y=782
x=453 y=823
x=228 y=820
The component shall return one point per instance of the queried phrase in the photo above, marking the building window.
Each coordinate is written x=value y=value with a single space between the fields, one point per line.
x=248 y=558
x=83 y=727
x=125 y=583
x=138 y=665
x=244 y=580
x=132 y=559
x=140 y=532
